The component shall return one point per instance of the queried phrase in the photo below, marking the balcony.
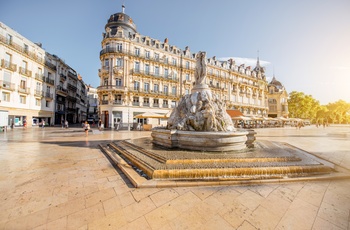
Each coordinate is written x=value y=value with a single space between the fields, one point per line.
x=111 y=87
x=49 y=81
x=21 y=49
x=23 y=90
x=168 y=77
x=38 y=93
x=7 y=85
x=39 y=76
x=63 y=77
x=104 y=102
x=8 y=65
x=71 y=98
x=50 y=65
x=146 y=104
x=117 y=102
x=25 y=71
x=48 y=95
x=61 y=89
x=72 y=87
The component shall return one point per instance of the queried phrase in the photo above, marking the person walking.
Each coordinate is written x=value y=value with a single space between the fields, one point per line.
x=66 y=124
x=86 y=128
x=43 y=124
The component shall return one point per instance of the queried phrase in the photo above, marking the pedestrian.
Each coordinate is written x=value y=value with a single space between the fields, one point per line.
x=86 y=128
x=99 y=124
x=66 y=124
x=25 y=124
x=43 y=124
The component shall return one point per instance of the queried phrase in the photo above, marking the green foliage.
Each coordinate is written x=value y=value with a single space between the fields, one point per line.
x=302 y=106
x=306 y=107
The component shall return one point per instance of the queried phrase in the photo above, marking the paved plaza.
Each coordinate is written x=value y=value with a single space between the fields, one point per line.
x=56 y=178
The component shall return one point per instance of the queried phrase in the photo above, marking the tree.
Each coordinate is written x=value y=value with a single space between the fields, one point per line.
x=302 y=106
x=339 y=112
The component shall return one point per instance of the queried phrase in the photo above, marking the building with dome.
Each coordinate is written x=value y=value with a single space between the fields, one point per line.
x=141 y=74
x=277 y=99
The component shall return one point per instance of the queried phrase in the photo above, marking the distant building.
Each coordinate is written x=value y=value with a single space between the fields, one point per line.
x=277 y=99
x=92 y=105
x=37 y=86
x=141 y=74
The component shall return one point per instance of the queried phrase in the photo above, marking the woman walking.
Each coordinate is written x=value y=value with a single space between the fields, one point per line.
x=86 y=128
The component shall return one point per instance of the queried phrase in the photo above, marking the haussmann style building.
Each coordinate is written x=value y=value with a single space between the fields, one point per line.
x=140 y=74
x=37 y=86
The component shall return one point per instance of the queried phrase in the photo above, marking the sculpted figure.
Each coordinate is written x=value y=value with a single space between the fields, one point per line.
x=201 y=68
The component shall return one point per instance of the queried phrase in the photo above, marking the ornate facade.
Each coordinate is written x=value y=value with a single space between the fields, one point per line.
x=140 y=74
x=277 y=99
x=36 y=85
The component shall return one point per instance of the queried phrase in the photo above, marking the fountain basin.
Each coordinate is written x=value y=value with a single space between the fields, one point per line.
x=200 y=141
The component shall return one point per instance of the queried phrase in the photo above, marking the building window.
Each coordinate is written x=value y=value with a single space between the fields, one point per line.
x=22 y=84
x=118 y=82
x=47 y=104
x=147 y=54
x=187 y=65
x=25 y=48
x=147 y=69
x=119 y=46
x=146 y=101
x=137 y=66
x=156 y=56
x=173 y=90
x=8 y=39
x=5 y=96
x=146 y=86
x=166 y=60
x=22 y=99
x=165 y=103
x=119 y=62
x=156 y=102
x=173 y=104
x=106 y=63
x=105 y=81
x=8 y=59
x=174 y=61
x=187 y=77
x=136 y=85
x=37 y=102
x=166 y=89
x=118 y=99
x=135 y=100
x=156 y=70
x=166 y=72
x=137 y=51
x=156 y=87
x=187 y=91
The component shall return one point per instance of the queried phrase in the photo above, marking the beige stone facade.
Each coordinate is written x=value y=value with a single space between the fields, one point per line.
x=141 y=74
x=277 y=99
x=26 y=85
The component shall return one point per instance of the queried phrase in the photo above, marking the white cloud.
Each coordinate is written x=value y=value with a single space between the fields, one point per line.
x=246 y=61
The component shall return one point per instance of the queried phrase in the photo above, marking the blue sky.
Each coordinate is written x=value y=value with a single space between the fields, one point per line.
x=305 y=44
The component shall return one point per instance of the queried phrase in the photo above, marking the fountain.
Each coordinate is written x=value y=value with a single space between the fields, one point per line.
x=200 y=143
x=200 y=121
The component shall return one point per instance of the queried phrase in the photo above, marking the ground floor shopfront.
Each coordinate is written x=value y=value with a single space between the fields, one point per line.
x=125 y=116
x=19 y=117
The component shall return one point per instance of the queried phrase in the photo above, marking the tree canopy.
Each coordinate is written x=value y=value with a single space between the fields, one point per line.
x=306 y=107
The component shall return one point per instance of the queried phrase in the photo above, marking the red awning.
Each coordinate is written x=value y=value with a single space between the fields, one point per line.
x=234 y=113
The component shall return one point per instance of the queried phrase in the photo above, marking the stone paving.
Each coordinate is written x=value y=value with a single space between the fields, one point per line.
x=55 y=178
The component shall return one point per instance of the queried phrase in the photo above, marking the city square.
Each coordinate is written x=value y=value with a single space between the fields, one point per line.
x=54 y=178
x=185 y=115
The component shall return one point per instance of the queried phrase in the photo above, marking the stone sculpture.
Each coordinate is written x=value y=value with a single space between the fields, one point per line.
x=201 y=110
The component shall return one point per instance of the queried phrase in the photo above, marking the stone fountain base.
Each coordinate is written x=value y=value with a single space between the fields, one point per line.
x=200 y=141
x=154 y=166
